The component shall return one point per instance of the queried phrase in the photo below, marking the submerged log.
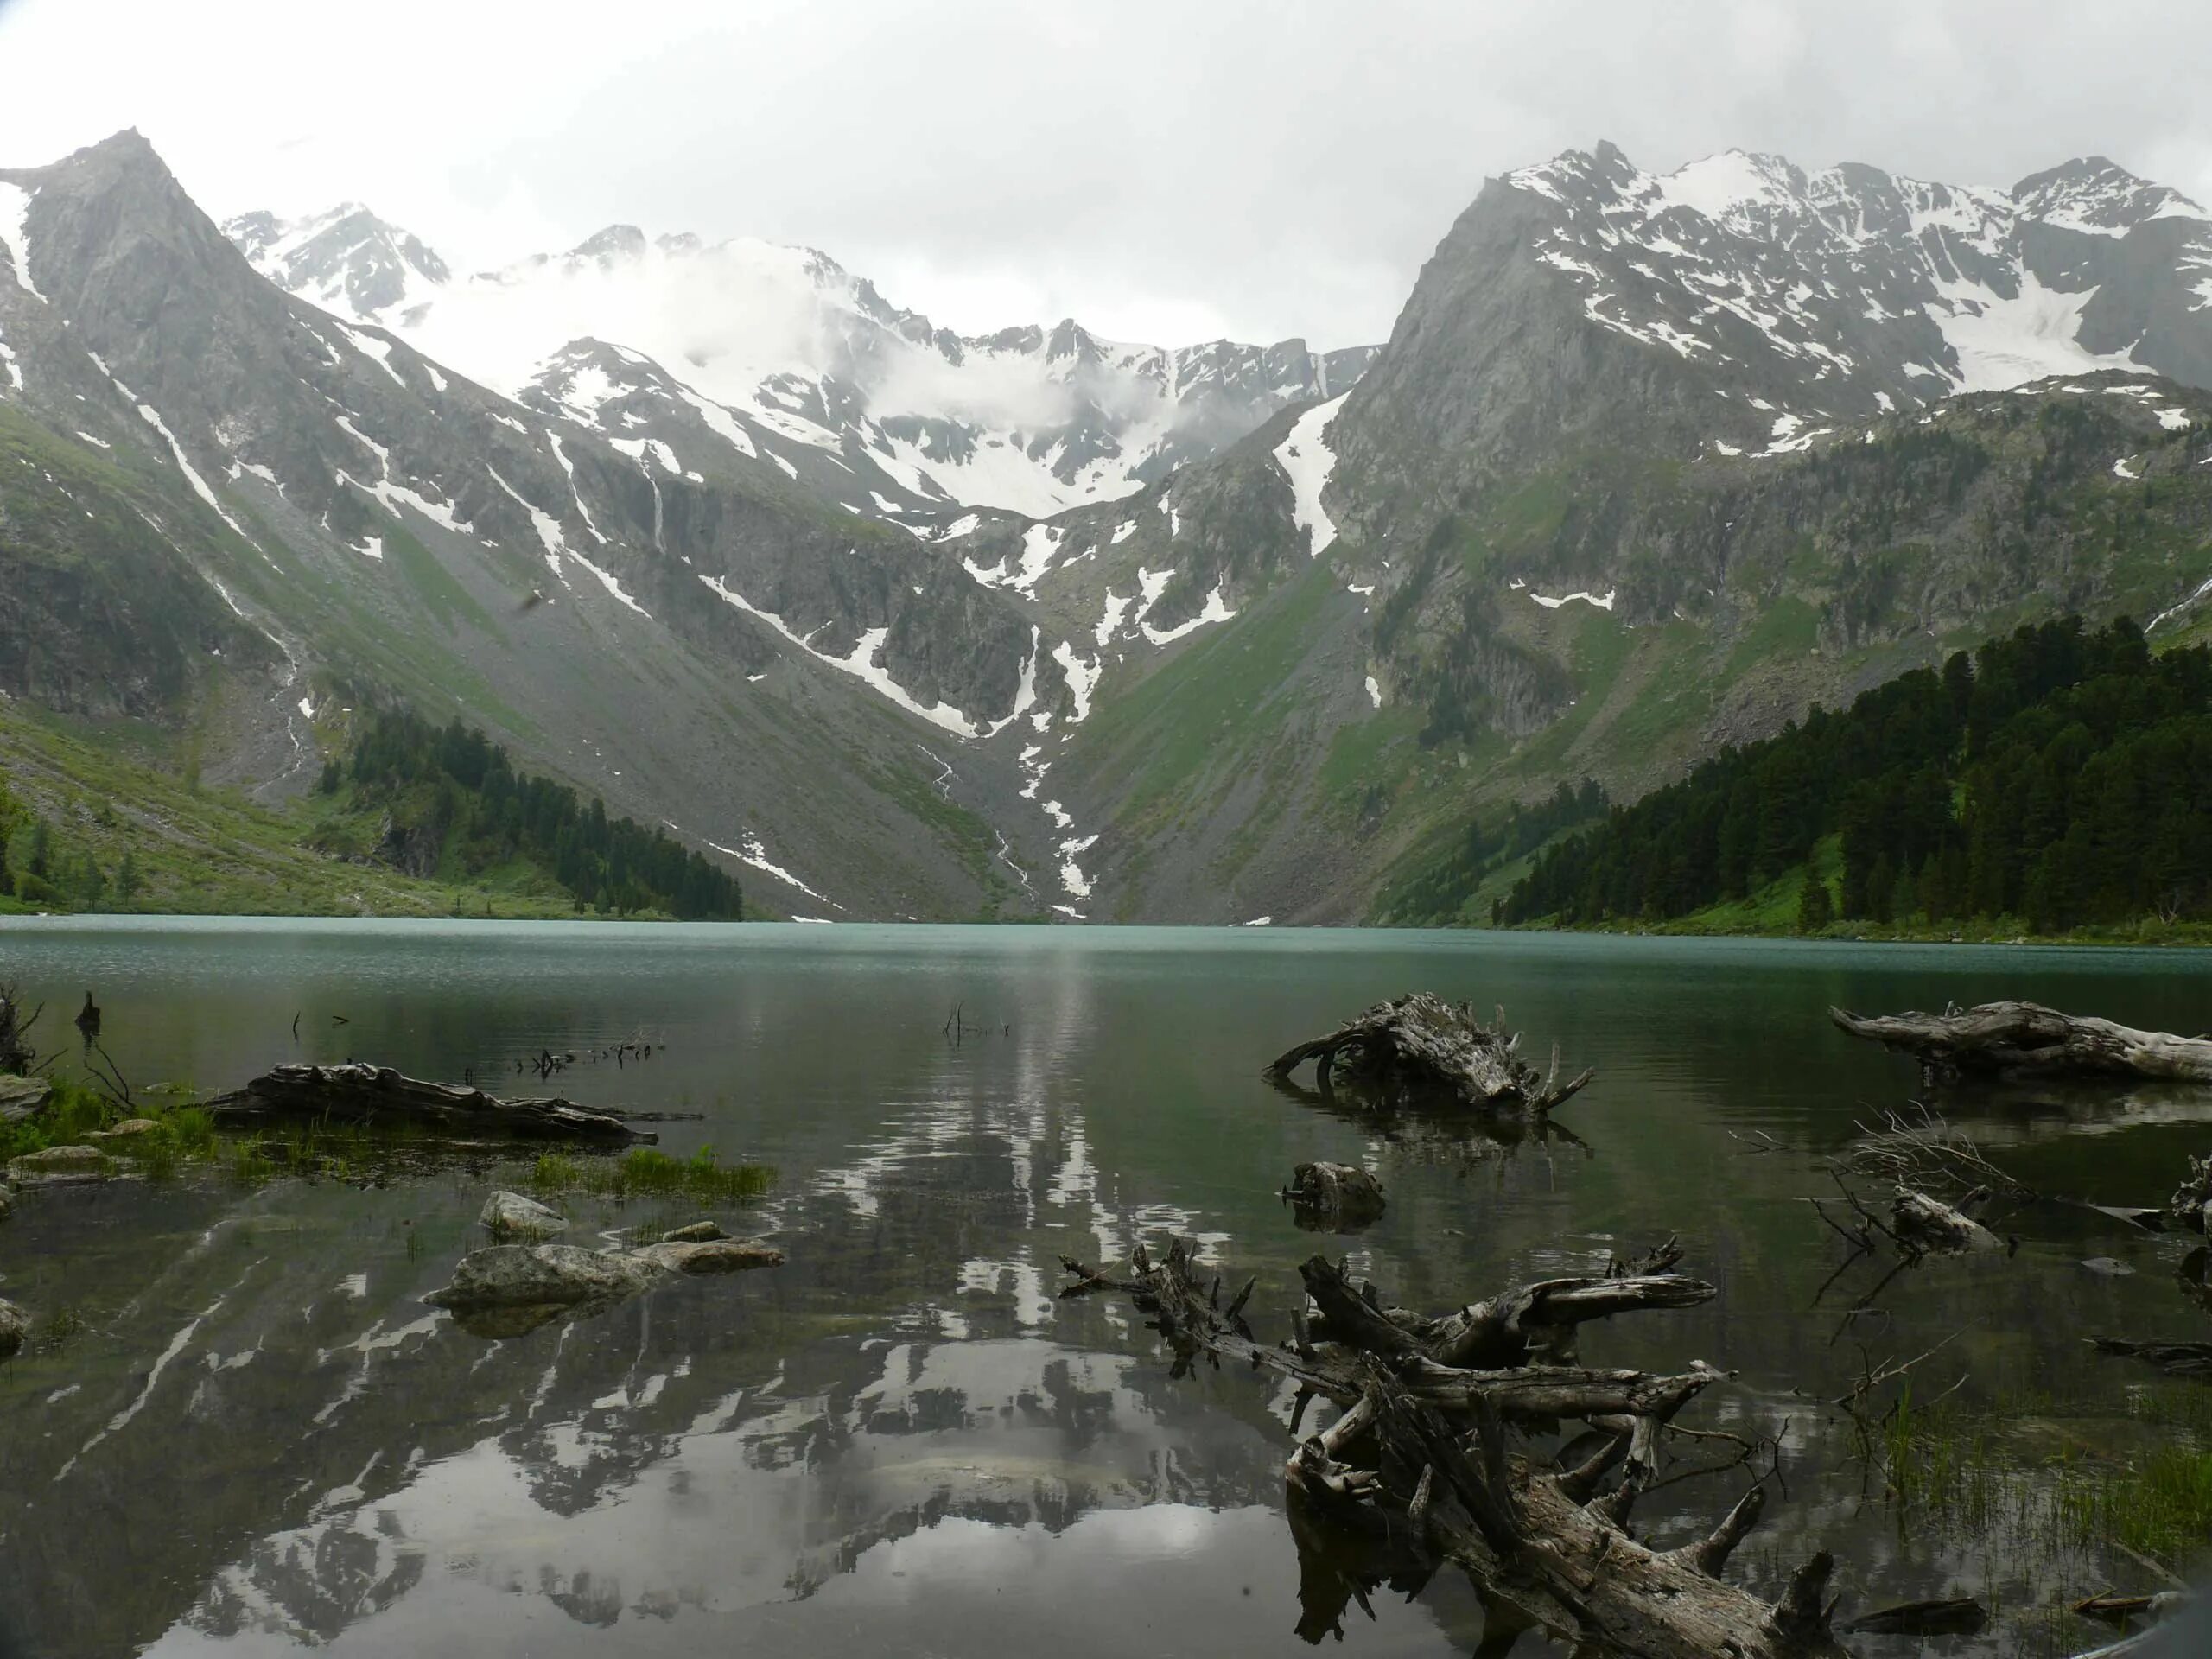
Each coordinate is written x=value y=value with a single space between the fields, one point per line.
x=1947 y=1616
x=1420 y=1047
x=1334 y=1197
x=2012 y=1040
x=378 y=1096
x=2188 y=1359
x=1416 y=1468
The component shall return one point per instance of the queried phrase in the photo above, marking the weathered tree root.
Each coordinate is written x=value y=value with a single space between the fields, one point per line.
x=1417 y=1467
x=378 y=1096
x=1420 y=1047
x=2014 y=1040
x=2190 y=1207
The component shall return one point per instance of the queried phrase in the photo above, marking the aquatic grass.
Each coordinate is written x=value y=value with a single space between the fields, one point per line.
x=1944 y=1468
x=2160 y=1507
x=647 y=1172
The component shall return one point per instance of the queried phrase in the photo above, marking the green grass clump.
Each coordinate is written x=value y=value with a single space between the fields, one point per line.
x=2160 y=1506
x=647 y=1172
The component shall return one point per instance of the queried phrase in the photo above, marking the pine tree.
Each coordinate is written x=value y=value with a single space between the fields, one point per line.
x=1816 y=909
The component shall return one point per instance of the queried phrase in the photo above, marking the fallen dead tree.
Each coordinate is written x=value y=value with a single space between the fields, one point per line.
x=375 y=1097
x=2015 y=1040
x=1422 y=1047
x=1416 y=1470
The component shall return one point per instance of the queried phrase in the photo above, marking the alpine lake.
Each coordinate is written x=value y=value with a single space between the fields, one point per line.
x=238 y=1428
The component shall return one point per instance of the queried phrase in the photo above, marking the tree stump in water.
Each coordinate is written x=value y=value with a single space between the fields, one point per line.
x=2015 y=1040
x=1415 y=1472
x=1334 y=1197
x=1925 y=1223
x=378 y=1096
x=1422 y=1047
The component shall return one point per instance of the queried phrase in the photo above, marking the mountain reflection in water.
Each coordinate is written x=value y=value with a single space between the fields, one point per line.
x=259 y=1439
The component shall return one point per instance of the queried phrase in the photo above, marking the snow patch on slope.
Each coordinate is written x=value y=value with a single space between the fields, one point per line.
x=861 y=663
x=15 y=208
x=1307 y=461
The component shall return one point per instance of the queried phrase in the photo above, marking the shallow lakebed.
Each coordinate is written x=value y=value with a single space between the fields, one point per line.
x=244 y=1431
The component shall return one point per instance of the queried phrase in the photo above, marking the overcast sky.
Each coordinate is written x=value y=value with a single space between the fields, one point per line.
x=1165 y=171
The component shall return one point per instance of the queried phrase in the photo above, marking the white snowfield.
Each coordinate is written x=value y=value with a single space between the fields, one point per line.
x=14 y=241
x=1307 y=461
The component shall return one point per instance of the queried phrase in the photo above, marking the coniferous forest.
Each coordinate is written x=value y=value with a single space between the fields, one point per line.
x=457 y=802
x=2061 y=777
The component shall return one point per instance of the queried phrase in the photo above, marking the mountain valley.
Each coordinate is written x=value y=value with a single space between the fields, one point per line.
x=894 y=623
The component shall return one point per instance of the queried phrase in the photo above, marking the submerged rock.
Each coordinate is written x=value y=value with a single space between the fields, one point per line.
x=128 y=1130
x=713 y=1255
x=698 y=1232
x=55 y=1164
x=520 y=1275
x=505 y=1290
x=13 y=1326
x=510 y=1215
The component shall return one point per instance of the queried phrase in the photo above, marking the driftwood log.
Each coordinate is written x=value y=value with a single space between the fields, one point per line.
x=1416 y=1464
x=378 y=1096
x=1422 y=1047
x=1334 y=1197
x=2012 y=1040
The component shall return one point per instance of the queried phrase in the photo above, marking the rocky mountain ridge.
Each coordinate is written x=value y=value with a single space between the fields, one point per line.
x=1538 y=539
x=798 y=357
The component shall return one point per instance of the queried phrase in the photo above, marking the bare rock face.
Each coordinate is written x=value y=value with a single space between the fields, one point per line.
x=21 y=1097
x=510 y=1215
x=13 y=1328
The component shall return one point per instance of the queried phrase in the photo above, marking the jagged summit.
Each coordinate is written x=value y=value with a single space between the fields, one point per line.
x=1843 y=292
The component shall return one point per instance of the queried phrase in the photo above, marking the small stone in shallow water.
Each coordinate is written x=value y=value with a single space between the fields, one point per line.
x=699 y=1232
x=510 y=1215
x=60 y=1164
x=2111 y=1267
x=124 y=1130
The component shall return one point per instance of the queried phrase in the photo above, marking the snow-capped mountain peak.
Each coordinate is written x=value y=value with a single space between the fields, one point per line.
x=347 y=260
x=784 y=341
x=1848 y=292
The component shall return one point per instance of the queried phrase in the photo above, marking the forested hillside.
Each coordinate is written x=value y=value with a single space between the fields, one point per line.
x=2061 y=777
x=455 y=805
x=413 y=820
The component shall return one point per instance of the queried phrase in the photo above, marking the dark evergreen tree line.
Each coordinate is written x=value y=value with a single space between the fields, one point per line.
x=451 y=788
x=1437 y=894
x=2062 y=775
